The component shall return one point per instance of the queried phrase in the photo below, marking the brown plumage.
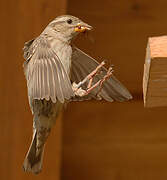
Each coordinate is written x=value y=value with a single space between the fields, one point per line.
x=50 y=67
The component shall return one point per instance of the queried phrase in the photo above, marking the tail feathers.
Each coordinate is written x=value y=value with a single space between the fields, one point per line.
x=34 y=157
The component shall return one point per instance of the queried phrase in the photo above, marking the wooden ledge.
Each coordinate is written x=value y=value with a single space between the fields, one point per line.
x=155 y=72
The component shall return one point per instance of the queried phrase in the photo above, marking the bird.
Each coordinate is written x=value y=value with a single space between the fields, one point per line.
x=58 y=72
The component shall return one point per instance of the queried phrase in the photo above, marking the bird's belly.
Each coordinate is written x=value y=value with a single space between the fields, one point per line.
x=46 y=113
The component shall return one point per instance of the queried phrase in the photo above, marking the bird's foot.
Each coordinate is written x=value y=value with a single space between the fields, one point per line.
x=78 y=91
x=81 y=92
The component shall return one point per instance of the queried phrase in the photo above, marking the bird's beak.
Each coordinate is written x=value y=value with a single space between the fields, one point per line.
x=82 y=27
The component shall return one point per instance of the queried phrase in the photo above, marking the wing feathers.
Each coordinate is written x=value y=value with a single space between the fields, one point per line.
x=47 y=83
x=46 y=76
x=52 y=79
x=58 y=82
x=83 y=64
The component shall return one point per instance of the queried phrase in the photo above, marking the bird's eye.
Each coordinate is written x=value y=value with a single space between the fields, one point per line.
x=69 y=21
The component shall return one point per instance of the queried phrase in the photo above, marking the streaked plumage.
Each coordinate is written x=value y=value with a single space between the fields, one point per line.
x=50 y=67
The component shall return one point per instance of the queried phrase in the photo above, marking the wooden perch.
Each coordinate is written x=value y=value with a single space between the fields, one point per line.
x=155 y=72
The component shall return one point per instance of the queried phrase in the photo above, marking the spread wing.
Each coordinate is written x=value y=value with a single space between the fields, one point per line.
x=82 y=65
x=45 y=74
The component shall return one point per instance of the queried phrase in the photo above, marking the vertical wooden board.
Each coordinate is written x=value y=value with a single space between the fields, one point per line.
x=20 y=22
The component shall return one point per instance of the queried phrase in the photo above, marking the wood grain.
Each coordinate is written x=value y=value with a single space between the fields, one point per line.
x=117 y=141
x=155 y=74
x=100 y=140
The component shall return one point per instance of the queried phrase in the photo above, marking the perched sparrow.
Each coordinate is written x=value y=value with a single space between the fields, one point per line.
x=57 y=73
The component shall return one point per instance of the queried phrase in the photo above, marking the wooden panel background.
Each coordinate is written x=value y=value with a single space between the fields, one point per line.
x=118 y=141
x=20 y=22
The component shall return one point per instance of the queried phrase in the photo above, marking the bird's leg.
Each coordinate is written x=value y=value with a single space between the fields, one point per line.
x=100 y=82
x=77 y=87
x=81 y=92
x=90 y=76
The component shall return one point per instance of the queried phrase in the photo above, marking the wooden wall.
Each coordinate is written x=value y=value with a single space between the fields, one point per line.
x=118 y=141
x=101 y=140
x=20 y=22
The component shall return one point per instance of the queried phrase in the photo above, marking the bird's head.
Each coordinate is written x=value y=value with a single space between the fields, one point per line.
x=67 y=27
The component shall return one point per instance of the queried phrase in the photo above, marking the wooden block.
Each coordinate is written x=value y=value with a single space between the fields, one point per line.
x=155 y=72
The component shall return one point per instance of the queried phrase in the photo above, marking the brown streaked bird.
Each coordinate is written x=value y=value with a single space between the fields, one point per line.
x=56 y=73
